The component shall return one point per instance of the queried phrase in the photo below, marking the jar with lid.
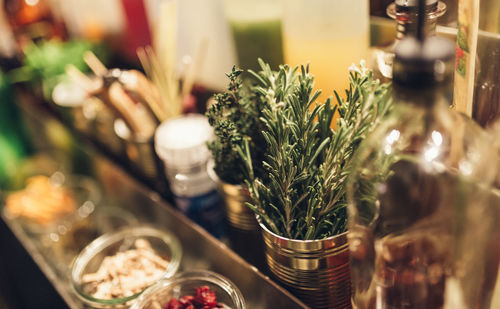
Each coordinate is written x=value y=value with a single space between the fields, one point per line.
x=181 y=144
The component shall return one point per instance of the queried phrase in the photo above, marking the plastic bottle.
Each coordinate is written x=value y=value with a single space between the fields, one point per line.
x=181 y=144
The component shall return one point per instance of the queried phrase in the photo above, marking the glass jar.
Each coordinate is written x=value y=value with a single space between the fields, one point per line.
x=92 y=256
x=186 y=283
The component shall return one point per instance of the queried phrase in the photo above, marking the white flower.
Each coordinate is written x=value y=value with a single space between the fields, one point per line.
x=362 y=69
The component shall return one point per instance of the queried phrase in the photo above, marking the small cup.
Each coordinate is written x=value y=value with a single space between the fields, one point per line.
x=186 y=283
x=91 y=257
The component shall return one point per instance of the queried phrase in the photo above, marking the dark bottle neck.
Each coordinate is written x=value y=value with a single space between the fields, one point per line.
x=406 y=19
x=439 y=95
x=405 y=28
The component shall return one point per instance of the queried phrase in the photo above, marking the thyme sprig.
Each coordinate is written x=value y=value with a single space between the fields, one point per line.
x=235 y=116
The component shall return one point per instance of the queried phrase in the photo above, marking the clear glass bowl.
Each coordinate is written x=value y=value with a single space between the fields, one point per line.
x=67 y=244
x=91 y=257
x=85 y=192
x=186 y=283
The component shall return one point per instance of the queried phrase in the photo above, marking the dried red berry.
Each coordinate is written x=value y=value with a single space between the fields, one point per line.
x=174 y=304
x=186 y=300
x=205 y=296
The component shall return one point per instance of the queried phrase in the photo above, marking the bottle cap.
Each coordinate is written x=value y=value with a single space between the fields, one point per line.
x=181 y=142
x=420 y=64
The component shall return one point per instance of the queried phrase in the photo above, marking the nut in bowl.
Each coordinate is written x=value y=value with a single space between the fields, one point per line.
x=192 y=289
x=117 y=267
x=49 y=203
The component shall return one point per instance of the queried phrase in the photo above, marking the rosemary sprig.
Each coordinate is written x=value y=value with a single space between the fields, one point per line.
x=297 y=175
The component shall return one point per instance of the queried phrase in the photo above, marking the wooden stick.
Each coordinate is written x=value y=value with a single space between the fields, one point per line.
x=83 y=80
x=135 y=82
x=94 y=63
x=125 y=106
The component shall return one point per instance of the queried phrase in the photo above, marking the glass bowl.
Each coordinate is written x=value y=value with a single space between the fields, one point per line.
x=89 y=260
x=82 y=189
x=67 y=244
x=186 y=283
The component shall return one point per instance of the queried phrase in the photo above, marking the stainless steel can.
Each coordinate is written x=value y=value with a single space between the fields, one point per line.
x=316 y=271
x=238 y=214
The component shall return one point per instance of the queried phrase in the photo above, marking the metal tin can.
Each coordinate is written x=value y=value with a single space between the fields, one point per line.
x=316 y=271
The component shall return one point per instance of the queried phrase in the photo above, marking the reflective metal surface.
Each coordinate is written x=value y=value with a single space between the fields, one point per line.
x=317 y=271
x=237 y=213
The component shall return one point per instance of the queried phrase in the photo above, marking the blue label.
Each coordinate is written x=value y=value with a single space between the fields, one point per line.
x=206 y=210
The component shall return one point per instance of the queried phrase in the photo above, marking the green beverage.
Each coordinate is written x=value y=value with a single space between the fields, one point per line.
x=256 y=28
x=258 y=38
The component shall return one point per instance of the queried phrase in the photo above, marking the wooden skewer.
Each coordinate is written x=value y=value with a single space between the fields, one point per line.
x=135 y=82
x=125 y=106
x=94 y=63
x=83 y=80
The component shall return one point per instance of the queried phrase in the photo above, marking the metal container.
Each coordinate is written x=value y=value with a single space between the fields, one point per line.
x=140 y=151
x=103 y=129
x=316 y=271
x=244 y=232
x=237 y=213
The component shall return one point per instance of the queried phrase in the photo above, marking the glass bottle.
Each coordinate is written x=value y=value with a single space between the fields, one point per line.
x=404 y=12
x=411 y=185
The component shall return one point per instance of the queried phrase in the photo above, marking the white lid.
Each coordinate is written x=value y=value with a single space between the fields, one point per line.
x=182 y=142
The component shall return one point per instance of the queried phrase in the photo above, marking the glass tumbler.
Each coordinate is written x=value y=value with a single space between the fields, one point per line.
x=330 y=35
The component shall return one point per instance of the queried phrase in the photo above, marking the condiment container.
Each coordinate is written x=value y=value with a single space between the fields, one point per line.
x=139 y=150
x=90 y=259
x=67 y=242
x=181 y=144
x=82 y=189
x=186 y=283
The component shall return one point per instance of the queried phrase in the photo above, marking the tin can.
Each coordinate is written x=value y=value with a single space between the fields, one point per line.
x=244 y=232
x=316 y=271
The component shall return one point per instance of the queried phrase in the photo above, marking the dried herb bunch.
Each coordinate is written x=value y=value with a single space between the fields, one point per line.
x=235 y=116
x=301 y=193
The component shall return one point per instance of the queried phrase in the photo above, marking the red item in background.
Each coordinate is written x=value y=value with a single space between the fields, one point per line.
x=137 y=32
x=32 y=20
x=205 y=299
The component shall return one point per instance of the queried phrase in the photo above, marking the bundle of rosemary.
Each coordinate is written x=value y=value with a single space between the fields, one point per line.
x=298 y=187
